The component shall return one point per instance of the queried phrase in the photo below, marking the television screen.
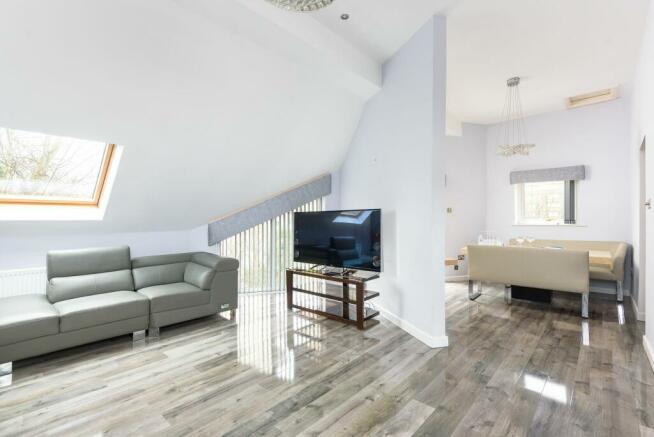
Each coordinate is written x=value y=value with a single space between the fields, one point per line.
x=349 y=239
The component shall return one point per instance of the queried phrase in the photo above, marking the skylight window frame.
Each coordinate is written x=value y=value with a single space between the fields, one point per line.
x=97 y=193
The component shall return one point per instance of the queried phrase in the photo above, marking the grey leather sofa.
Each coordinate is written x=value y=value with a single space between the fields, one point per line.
x=185 y=286
x=95 y=294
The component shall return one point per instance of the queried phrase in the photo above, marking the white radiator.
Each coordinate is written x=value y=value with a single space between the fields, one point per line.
x=22 y=281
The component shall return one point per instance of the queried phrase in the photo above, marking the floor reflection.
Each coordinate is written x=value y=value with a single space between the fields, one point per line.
x=270 y=337
x=547 y=388
x=620 y=314
x=585 y=333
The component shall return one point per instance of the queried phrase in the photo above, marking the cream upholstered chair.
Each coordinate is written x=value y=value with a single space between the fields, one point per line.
x=561 y=270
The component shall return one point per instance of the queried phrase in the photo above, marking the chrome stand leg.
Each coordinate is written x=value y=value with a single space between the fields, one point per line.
x=507 y=294
x=472 y=295
x=6 y=370
x=138 y=336
x=232 y=313
x=153 y=334
x=584 y=305
x=619 y=291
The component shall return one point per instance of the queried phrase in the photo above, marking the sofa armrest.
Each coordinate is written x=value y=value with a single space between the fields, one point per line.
x=618 y=261
x=226 y=264
x=224 y=285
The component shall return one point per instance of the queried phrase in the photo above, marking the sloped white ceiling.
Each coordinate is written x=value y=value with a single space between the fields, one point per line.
x=219 y=103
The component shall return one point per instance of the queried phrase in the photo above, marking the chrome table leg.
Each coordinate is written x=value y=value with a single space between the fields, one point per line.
x=584 y=305
x=619 y=291
x=472 y=295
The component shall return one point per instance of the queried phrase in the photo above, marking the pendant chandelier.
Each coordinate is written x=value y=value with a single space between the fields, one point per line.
x=301 y=5
x=513 y=136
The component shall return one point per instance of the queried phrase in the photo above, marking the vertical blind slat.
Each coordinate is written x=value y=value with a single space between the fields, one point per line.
x=266 y=251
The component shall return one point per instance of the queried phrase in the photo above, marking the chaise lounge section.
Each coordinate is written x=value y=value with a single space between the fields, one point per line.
x=185 y=286
x=99 y=293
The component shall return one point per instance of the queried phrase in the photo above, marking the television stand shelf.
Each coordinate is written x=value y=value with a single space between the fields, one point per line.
x=350 y=310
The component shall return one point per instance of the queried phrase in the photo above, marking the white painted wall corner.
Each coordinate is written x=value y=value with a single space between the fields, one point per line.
x=649 y=351
x=429 y=340
x=640 y=315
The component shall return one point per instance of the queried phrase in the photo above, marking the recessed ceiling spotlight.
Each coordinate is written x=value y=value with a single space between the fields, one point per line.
x=345 y=16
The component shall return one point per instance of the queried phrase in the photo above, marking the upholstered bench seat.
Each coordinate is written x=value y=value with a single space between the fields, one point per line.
x=100 y=309
x=27 y=317
x=601 y=273
x=173 y=296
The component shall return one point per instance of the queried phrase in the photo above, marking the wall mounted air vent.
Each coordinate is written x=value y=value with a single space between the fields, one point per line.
x=600 y=96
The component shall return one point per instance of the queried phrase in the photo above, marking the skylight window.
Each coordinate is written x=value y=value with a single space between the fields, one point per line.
x=46 y=169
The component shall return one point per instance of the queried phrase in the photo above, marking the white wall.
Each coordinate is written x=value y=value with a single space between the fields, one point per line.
x=465 y=165
x=27 y=252
x=396 y=163
x=596 y=136
x=642 y=125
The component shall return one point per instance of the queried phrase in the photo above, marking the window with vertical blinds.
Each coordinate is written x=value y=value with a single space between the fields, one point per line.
x=265 y=251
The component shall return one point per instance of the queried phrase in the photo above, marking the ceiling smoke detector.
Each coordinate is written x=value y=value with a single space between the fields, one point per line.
x=600 y=96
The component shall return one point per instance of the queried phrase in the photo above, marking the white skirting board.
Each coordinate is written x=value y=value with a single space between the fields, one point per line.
x=649 y=351
x=640 y=315
x=429 y=340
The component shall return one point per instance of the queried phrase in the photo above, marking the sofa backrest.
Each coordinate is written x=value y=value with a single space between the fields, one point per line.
x=196 y=268
x=562 y=270
x=85 y=272
x=159 y=269
x=618 y=250
x=610 y=246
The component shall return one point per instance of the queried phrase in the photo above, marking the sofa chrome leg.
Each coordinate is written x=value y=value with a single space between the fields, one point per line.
x=153 y=333
x=619 y=291
x=507 y=294
x=6 y=376
x=472 y=295
x=584 y=305
x=6 y=368
x=232 y=313
x=138 y=335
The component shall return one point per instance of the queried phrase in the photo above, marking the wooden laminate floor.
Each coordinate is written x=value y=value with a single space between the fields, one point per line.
x=524 y=369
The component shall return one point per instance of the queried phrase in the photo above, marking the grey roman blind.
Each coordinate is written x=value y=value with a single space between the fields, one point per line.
x=268 y=209
x=573 y=173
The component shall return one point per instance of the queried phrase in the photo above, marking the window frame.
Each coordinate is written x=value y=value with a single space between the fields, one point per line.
x=97 y=193
x=570 y=209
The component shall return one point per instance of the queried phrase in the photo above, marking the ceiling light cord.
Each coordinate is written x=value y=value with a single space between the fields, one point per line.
x=514 y=140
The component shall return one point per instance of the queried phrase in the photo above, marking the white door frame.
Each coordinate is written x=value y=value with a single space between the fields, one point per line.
x=639 y=305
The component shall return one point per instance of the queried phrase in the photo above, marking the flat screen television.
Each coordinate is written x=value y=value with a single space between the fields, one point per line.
x=349 y=239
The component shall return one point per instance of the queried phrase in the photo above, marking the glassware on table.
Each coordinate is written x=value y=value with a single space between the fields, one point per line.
x=520 y=240
x=530 y=240
x=488 y=238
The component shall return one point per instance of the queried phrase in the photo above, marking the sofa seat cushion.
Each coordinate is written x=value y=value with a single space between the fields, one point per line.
x=175 y=296
x=27 y=317
x=100 y=309
x=602 y=273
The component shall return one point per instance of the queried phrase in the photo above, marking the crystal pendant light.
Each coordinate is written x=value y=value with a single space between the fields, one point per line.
x=301 y=5
x=512 y=130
